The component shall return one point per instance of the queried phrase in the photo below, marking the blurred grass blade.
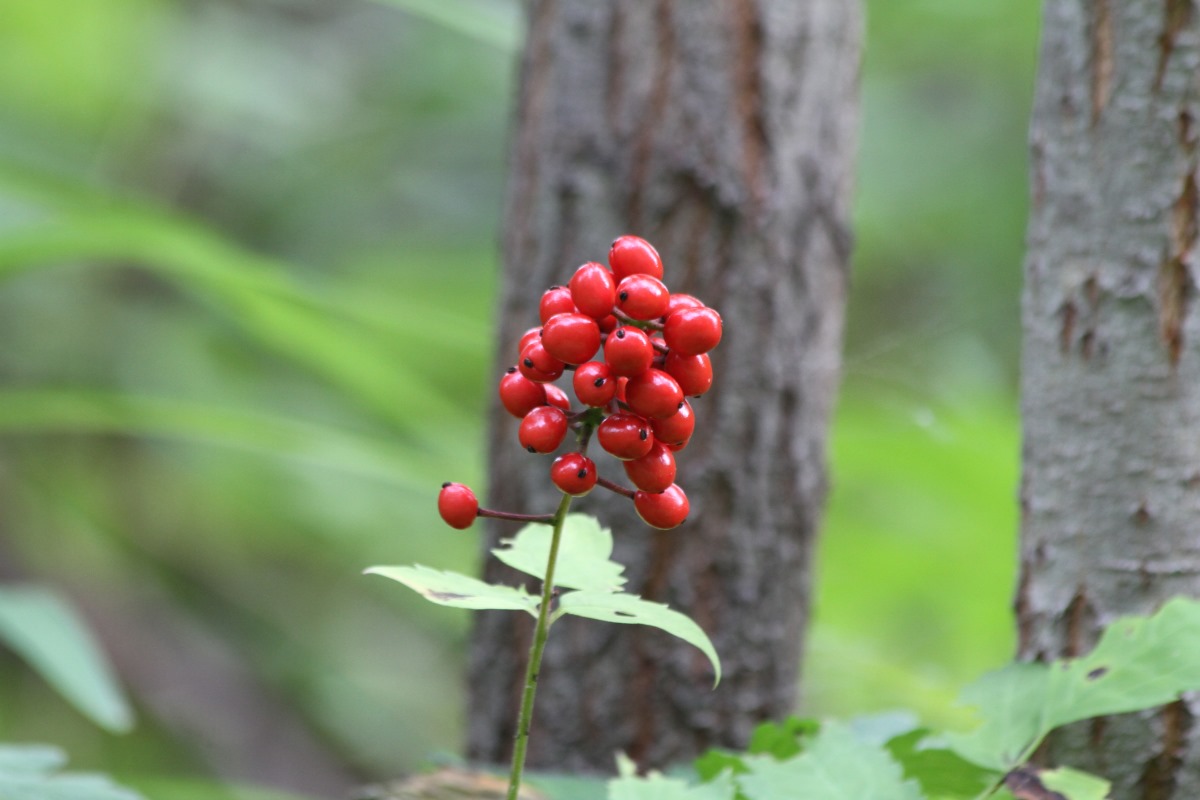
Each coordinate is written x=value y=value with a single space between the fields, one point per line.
x=77 y=411
x=43 y=629
x=492 y=22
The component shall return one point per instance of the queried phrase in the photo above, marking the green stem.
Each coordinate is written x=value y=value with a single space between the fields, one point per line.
x=535 y=653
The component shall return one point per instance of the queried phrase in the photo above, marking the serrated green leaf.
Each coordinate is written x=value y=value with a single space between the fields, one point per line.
x=712 y=763
x=1140 y=662
x=628 y=786
x=1074 y=784
x=939 y=770
x=583 y=554
x=459 y=591
x=28 y=772
x=630 y=610
x=45 y=630
x=834 y=766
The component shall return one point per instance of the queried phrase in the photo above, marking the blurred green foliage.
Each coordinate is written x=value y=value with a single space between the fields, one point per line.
x=247 y=262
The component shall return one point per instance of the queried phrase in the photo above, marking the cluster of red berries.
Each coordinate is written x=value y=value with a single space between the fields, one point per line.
x=635 y=351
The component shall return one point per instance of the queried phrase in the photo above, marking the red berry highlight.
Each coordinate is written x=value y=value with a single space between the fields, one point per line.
x=457 y=505
x=543 y=429
x=628 y=351
x=643 y=297
x=633 y=255
x=693 y=373
x=538 y=365
x=625 y=436
x=677 y=428
x=653 y=472
x=555 y=300
x=594 y=290
x=557 y=397
x=574 y=474
x=653 y=393
x=692 y=331
x=594 y=384
x=571 y=338
x=519 y=395
x=663 y=510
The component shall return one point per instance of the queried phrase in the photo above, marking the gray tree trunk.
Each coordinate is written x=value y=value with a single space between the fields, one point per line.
x=1111 y=378
x=722 y=131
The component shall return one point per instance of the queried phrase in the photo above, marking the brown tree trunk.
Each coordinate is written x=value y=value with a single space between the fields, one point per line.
x=722 y=131
x=1111 y=374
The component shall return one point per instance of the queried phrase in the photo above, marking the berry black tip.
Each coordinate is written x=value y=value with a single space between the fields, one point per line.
x=528 y=362
x=614 y=243
x=643 y=435
x=510 y=370
x=531 y=449
x=623 y=296
x=446 y=484
x=620 y=333
x=599 y=382
x=680 y=404
x=582 y=473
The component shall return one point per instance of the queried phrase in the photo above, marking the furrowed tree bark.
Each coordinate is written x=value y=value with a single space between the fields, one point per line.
x=722 y=131
x=1111 y=378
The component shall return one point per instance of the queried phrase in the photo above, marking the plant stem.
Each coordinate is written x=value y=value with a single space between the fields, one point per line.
x=547 y=519
x=535 y=653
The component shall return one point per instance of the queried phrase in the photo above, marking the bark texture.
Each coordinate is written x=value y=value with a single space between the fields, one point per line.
x=722 y=131
x=1111 y=377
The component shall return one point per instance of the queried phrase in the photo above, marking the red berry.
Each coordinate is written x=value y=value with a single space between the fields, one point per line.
x=609 y=323
x=594 y=290
x=653 y=393
x=692 y=331
x=519 y=395
x=555 y=300
x=557 y=397
x=622 y=382
x=632 y=255
x=527 y=337
x=594 y=384
x=457 y=505
x=574 y=474
x=543 y=429
x=537 y=364
x=664 y=510
x=571 y=338
x=628 y=351
x=681 y=301
x=625 y=436
x=677 y=428
x=653 y=472
x=643 y=297
x=693 y=373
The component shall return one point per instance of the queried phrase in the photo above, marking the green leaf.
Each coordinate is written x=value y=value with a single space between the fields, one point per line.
x=1075 y=785
x=834 y=766
x=713 y=762
x=486 y=23
x=781 y=739
x=459 y=591
x=628 y=786
x=940 y=771
x=27 y=772
x=45 y=630
x=1140 y=662
x=630 y=610
x=583 y=554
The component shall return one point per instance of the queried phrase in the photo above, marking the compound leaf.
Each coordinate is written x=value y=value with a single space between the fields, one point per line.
x=459 y=591
x=584 y=554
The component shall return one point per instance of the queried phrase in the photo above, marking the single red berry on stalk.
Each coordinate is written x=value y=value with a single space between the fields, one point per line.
x=663 y=510
x=538 y=365
x=625 y=436
x=557 y=397
x=653 y=393
x=543 y=429
x=628 y=351
x=519 y=395
x=643 y=297
x=594 y=384
x=692 y=331
x=457 y=505
x=653 y=472
x=555 y=300
x=594 y=290
x=677 y=428
x=633 y=255
x=528 y=336
x=573 y=474
x=571 y=338
x=693 y=373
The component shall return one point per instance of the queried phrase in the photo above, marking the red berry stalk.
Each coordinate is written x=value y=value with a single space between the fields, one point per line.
x=635 y=351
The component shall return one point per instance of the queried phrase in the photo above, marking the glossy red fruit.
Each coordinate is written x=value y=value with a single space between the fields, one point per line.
x=677 y=428
x=594 y=290
x=692 y=331
x=594 y=384
x=538 y=365
x=622 y=382
x=555 y=300
x=527 y=337
x=519 y=395
x=573 y=474
x=643 y=297
x=653 y=393
x=664 y=510
x=681 y=301
x=653 y=472
x=625 y=436
x=571 y=338
x=557 y=397
x=693 y=373
x=543 y=429
x=628 y=351
x=609 y=323
x=457 y=505
x=633 y=255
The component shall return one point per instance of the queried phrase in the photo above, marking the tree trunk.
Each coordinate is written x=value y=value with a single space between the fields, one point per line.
x=1111 y=379
x=723 y=132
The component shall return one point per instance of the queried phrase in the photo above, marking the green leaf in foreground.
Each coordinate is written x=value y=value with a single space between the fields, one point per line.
x=1075 y=785
x=1140 y=662
x=835 y=765
x=30 y=772
x=458 y=591
x=46 y=631
x=941 y=772
x=584 y=554
x=628 y=786
x=630 y=610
